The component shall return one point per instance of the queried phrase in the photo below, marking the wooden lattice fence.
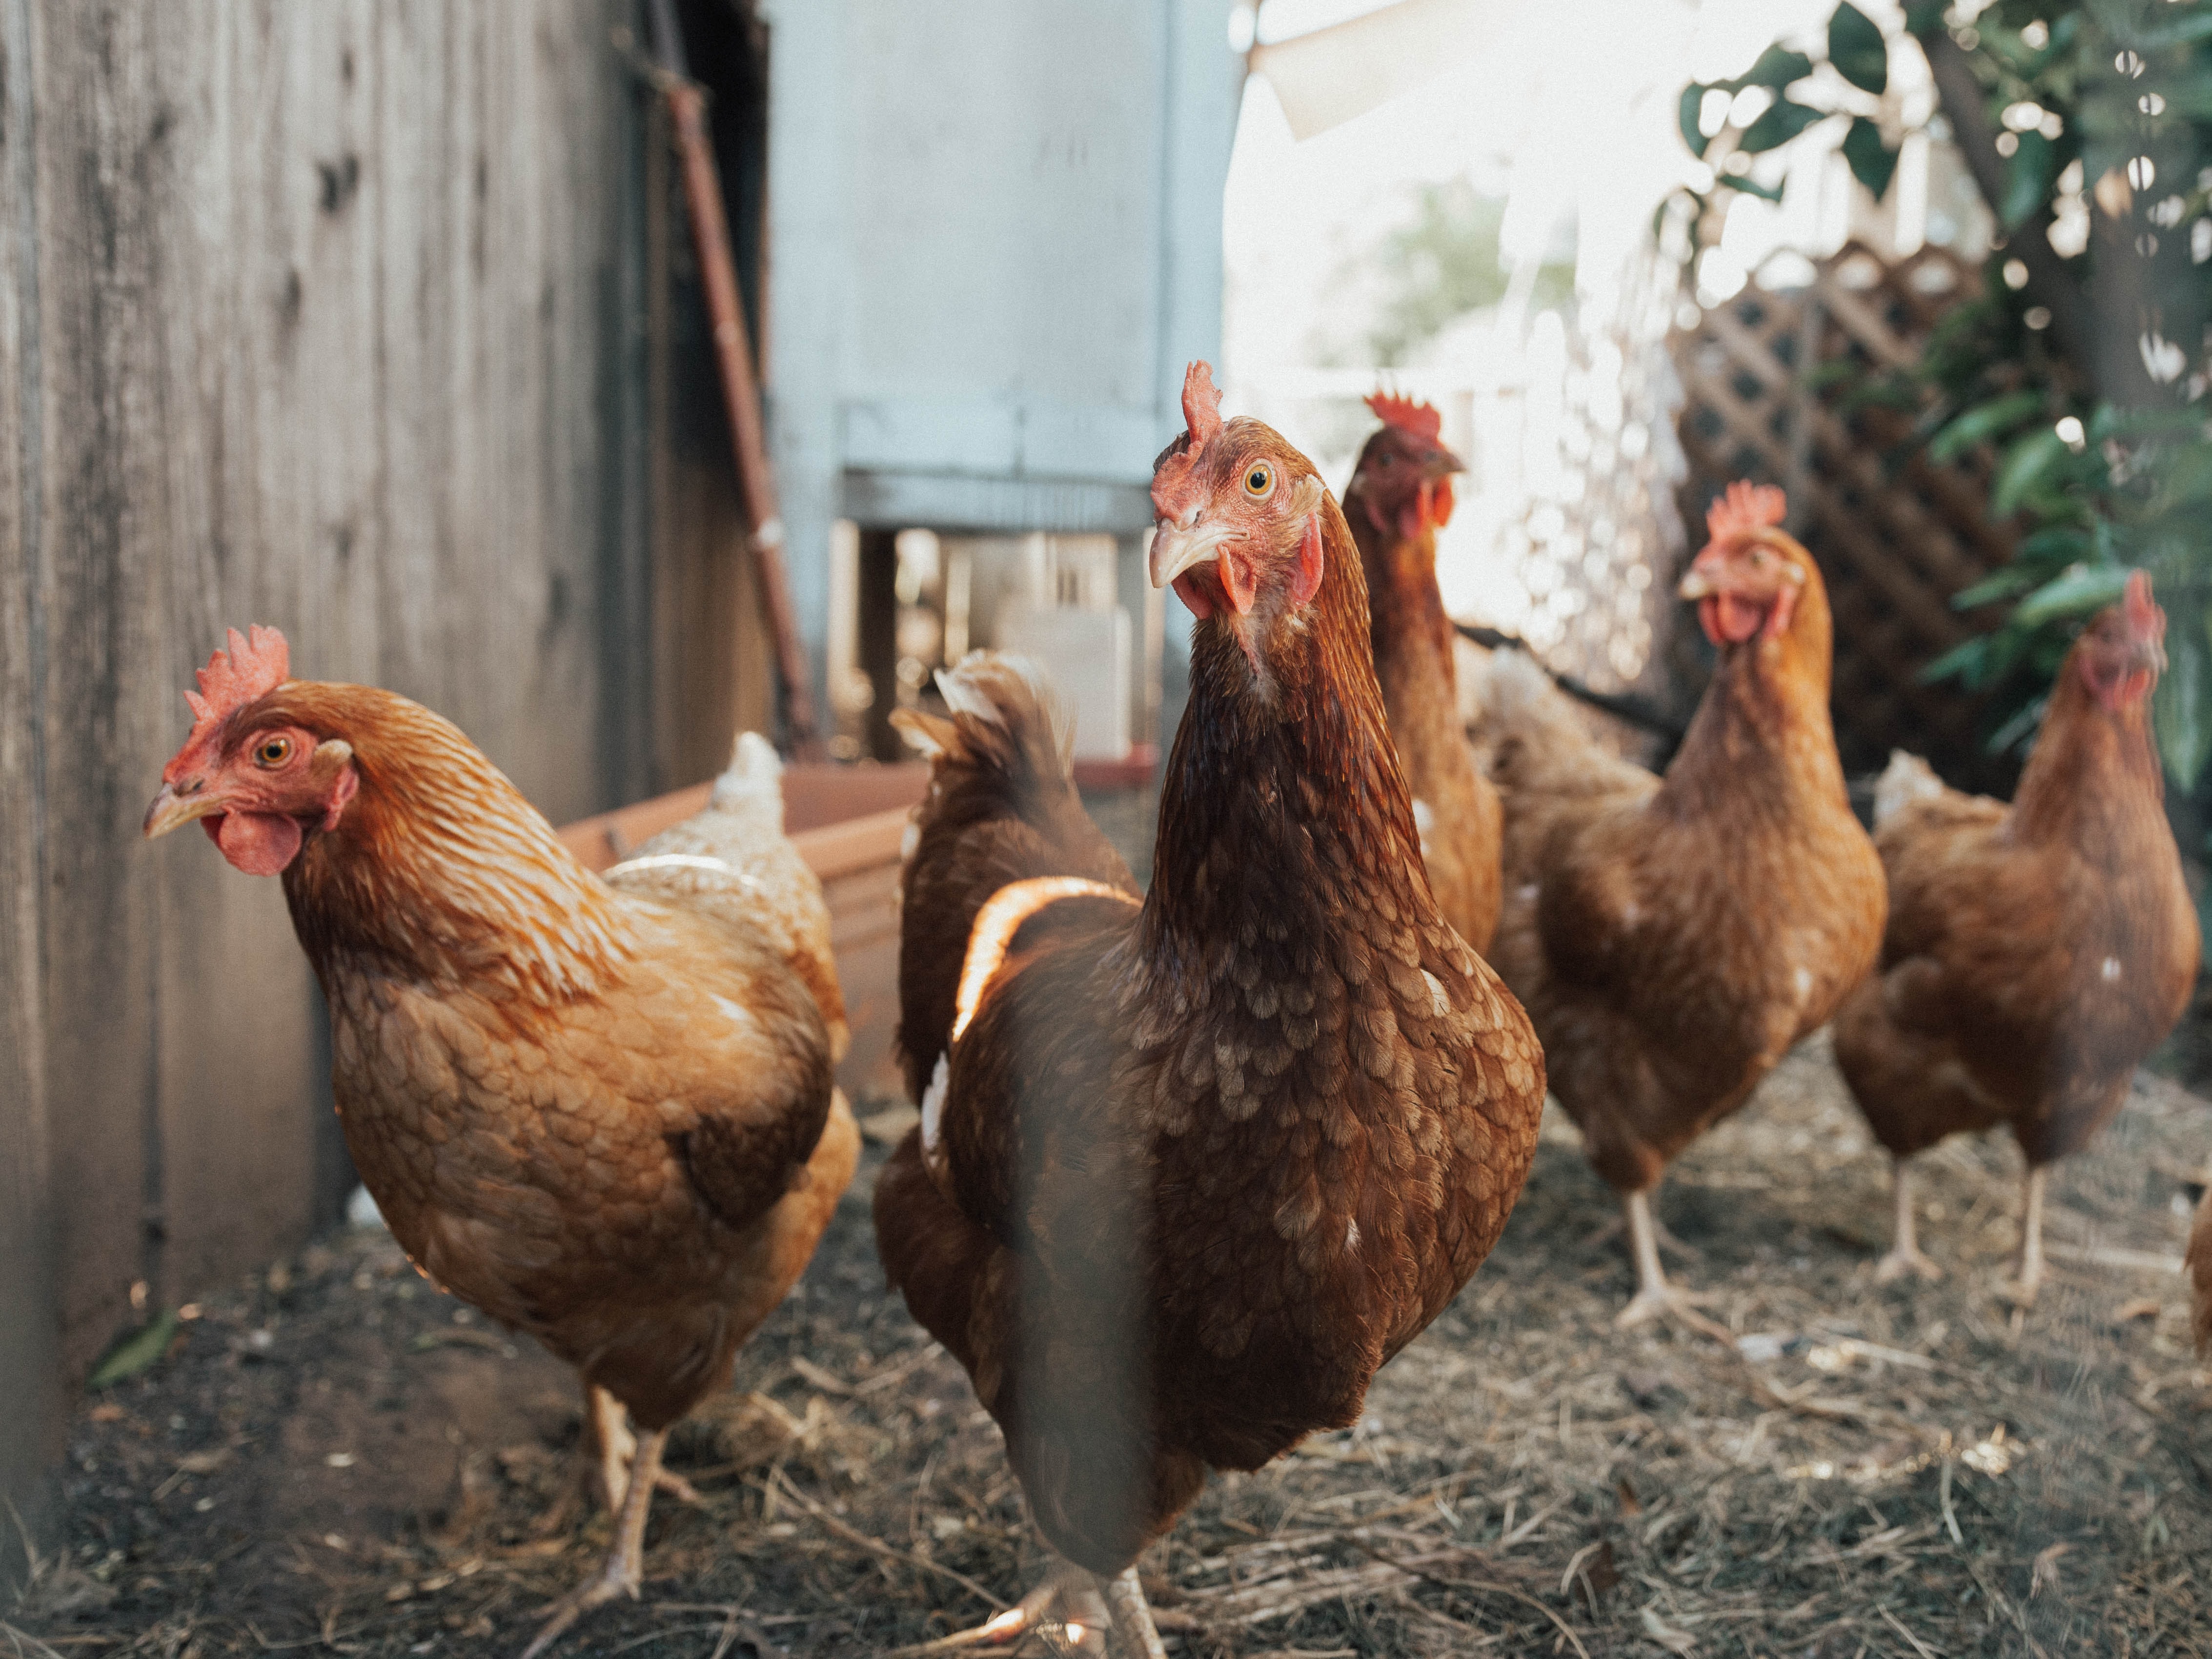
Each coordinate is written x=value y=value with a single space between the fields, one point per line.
x=1896 y=535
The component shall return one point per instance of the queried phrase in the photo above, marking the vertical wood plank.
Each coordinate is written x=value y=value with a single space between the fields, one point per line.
x=330 y=312
x=101 y=152
x=30 y=1427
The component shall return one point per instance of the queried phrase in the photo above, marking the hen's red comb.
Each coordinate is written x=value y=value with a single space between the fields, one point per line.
x=1746 y=507
x=1173 y=484
x=2145 y=620
x=256 y=665
x=1415 y=420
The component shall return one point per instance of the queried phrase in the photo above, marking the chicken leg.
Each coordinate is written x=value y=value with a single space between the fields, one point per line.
x=1905 y=1257
x=611 y=1448
x=1132 y=1635
x=624 y=1572
x=1654 y=1295
x=2029 y=1278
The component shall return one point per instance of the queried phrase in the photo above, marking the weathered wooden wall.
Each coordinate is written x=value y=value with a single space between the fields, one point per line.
x=328 y=316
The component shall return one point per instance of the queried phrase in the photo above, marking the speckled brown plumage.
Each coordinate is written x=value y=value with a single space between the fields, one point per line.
x=2034 y=954
x=1463 y=822
x=1209 y=1163
x=602 y=1116
x=1672 y=940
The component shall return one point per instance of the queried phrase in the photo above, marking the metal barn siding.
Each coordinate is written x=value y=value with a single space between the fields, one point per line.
x=995 y=243
x=324 y=316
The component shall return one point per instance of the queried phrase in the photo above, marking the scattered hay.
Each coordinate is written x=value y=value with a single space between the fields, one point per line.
x=1907 y=1470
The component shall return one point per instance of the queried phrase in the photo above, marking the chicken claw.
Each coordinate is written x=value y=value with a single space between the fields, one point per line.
x=624 y=1572
x=1654 y=1296
x=1064 y=1603
x=1905 y=1259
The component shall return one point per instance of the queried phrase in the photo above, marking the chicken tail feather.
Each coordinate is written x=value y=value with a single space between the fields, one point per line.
x=1906 y=779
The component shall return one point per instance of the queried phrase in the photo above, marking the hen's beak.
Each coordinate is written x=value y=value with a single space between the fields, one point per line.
x=1696 y=585
x=1441 y=465
x=2147 y=653
x=174 y=807
x=1176 y=548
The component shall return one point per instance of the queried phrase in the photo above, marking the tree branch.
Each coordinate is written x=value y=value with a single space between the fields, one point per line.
x=2049 y=282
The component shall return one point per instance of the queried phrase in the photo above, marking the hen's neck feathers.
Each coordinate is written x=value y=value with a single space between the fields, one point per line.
x=439 y=870
x=1277 y=796
x=1411 y=636
x=2093 y=782
x=1762 y=733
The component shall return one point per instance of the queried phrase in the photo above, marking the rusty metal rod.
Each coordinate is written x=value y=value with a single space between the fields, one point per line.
x=710 y=229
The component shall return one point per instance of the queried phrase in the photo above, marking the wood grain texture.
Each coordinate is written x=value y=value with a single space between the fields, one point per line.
x=28 y=1380
x=324 y=316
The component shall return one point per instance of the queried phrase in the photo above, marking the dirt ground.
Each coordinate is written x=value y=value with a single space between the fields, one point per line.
x=334 y=1457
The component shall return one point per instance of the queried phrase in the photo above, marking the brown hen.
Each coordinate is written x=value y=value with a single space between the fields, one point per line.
x=2034 y=953
x=1192 y=1167
x=1672 y=939
x=1399 y=495
x=600 y=1111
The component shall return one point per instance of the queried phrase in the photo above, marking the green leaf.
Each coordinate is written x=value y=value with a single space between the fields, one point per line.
x=2080 y=591
x=138 y=1352
x=1997 y=585
x=2181 y=706
x=1873 y=162
x=1961 y=659
x=1924 y=17
x=1750 y=186
x=2195 y=24
x=1776 y=67
x=2024 y=464
x=2186 y=476
x=2028 y=178
x=1782 y=121
x=1858 y=51
x=1686 y=114
x=1984 y=421
x=2055 y=545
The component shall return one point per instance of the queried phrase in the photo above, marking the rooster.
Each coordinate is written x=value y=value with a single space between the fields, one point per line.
x=1672 y=939
x=2035 y=953
x=598 y=1111
x=1400 y=495
x=1191 y=1167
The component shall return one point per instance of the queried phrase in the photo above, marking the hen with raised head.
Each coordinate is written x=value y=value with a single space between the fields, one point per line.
x=1673 y=938
x=1193 y=1166
x=2034 y=953
x=1400 y=495
x=598 y=1111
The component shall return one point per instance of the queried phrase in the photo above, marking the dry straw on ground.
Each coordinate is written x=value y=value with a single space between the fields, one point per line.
x=336 y=1459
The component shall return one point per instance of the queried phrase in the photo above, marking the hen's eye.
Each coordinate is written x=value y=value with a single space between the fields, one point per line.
x=1259 y=480
x=272 y=751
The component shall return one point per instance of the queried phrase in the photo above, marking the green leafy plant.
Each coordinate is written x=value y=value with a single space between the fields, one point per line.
x=2081 y=363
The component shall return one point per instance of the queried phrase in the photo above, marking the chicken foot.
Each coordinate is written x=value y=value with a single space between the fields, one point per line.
x=2029 y=1280
x=1905 y=1257
x=1654 y=1296
x=607 y=1433
x=1066 y=1596
x=624 y=1572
